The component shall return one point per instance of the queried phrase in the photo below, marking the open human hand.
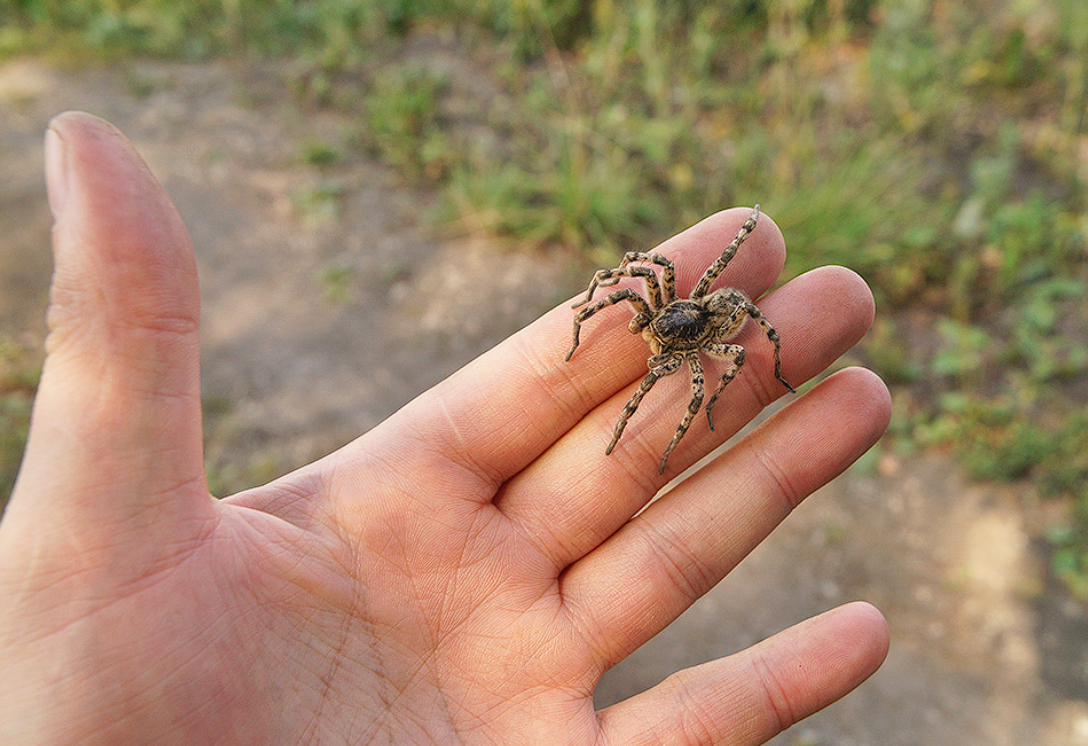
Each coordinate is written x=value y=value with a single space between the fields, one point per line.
x=464 y=573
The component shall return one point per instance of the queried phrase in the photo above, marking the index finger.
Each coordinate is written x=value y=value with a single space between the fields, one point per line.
x=500 y=412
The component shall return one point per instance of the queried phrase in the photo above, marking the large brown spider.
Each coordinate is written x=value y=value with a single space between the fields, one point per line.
x=678 y=329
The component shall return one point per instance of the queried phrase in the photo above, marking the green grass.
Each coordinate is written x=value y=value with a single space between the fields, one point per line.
x=19 y=370
x=404 y=124
x=935 y=147
x=318 y=203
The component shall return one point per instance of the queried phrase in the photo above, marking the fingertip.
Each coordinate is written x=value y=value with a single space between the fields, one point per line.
x=79 y=127
x=870 y=627
x=767 y=237
x=844 y=646
x=880 y=396
x=70 y=138
x=819 y=315
x=863 y=294
x=756 y=265
x=870 y=393
x=88 y=161
x=880 y=631
x=121 y=251
x=856 y=643
x=766 y=224
x=116 y=232
x=854 y=297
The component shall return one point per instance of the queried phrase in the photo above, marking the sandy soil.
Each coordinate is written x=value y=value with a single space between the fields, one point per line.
x=317 y=328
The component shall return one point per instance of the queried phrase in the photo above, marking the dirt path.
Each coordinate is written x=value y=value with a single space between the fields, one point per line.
x=316 y=328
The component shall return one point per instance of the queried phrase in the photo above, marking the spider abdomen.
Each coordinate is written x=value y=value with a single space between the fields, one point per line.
x=681 y=324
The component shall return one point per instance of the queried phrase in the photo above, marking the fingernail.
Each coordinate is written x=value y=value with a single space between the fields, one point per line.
x=56 y=171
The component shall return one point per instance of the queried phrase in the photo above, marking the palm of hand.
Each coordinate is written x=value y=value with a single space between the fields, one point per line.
x=456 y=575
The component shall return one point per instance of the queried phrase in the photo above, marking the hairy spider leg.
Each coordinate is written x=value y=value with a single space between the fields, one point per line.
x=734 y=356
x=625 y=294
x=716 y=268
x=698 y=388
x=759 y=318
x=668 y=271
x=667 y=368
x=608 y=277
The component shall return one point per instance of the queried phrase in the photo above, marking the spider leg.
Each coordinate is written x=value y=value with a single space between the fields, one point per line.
x=697 y=390
x=716 y=268
x=608 y=277
x=626 y=294
x=759 y=318
x=668 y=367
x=732 y=354
x=668 y=271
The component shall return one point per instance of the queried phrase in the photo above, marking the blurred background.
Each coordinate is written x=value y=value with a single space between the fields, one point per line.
x=379 y=190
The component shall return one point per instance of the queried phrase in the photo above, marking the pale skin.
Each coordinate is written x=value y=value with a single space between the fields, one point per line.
x=462 y=574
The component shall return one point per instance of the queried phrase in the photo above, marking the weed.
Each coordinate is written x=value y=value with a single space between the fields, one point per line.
x=336 y=280
x=936 y=149
x=404 y=121
x=321 y=154
x=963 y=351
x=889 y=355
x=19 y=371
x=319 y=203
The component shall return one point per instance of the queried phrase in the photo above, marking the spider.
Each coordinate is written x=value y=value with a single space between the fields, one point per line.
x=678 y=329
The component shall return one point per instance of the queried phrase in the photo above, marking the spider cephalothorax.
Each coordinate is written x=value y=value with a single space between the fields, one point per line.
x=678 y=329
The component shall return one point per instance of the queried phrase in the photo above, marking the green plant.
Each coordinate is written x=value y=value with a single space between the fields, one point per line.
x=319 y=203
x=936 y=149
x=995 y=440
x=321 y=154
x=336 y=281
x=963 y=353
x=889 y=354
x=405 y=125
x=19 y=371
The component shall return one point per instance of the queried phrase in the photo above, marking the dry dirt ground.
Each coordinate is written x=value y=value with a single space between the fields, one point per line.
x=317 y=328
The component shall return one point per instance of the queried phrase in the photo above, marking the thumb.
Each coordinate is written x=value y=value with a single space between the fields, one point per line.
x=116 y=426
